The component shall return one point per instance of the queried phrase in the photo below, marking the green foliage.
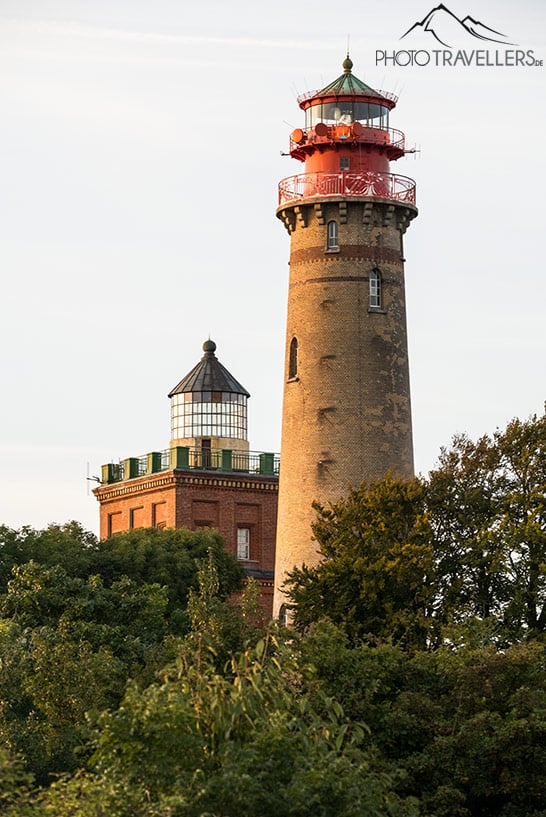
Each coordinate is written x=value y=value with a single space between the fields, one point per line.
x=377 y=573
x=67 y=647
x=487 y=504
x=168 y=557
x=69 y=642
x=69 y=545
x=124 y=667
x=458 y=557
x=14 y=779
x=252 y=742
x=466 y=728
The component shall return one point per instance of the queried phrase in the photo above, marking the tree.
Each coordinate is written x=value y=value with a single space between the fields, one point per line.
x=67 y=647
x=487 y=505
x=14 y=780
x=377 y=572
x=69 y=545
x=462 y=730
x=168 y=557
x=252 y=741
x=423 y=561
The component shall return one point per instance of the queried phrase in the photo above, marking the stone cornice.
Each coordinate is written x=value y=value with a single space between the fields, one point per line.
x=382 y=211
x=166 y=479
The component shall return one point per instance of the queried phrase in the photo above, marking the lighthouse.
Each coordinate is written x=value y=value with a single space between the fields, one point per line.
x=209 y=410
x=346 y=406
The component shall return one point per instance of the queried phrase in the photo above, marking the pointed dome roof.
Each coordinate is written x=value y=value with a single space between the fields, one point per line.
x=347 y=85
x=209 y=375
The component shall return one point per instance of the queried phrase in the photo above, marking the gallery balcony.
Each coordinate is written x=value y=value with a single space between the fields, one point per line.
x=193 y=459
x=367 y=184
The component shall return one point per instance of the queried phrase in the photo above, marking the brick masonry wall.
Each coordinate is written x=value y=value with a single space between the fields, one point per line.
x=347 y=414
x=137 y=503
x=195 y=499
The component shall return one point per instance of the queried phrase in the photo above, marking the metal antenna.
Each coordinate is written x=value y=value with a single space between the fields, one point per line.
x=89 y=479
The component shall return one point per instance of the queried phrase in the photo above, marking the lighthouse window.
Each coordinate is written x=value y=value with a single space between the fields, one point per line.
x=344 y=163
x=211 y=415
x=332 y=240
x=375 y=288
x=369 y=114
x=293 y=359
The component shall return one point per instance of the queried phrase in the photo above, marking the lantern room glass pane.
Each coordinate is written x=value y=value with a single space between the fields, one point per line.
x=345 y=112
x=217 y=415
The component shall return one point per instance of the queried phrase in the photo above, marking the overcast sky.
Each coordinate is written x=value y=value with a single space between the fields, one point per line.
x=140 y=153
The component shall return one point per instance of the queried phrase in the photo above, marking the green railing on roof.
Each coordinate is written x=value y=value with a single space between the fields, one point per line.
x=193 y=459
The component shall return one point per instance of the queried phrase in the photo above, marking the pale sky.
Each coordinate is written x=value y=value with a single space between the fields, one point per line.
x=140 y=153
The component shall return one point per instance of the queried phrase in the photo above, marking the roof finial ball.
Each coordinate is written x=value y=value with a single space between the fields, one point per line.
x=347 y=64
x=209 y=347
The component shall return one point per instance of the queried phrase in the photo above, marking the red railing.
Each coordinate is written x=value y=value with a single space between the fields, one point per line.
x=384 y=137
x=367 y=184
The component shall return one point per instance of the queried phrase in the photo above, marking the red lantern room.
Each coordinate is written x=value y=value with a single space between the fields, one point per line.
x=347 y=144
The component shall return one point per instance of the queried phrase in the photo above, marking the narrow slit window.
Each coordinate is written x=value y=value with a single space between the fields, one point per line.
x=375 y=288
x=293 y=359
x=332 y=241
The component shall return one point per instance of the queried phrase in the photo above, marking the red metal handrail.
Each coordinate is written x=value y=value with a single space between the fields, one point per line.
x=367 y=184
x=385 y=137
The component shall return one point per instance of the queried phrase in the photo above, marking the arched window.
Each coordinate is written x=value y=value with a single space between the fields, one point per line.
x=332 y=239
x=375 y=288
x=293 y=359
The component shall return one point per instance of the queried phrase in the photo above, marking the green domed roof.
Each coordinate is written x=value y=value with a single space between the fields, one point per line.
x=347 y=85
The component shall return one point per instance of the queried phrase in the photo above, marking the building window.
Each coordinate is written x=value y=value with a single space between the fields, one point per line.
x=136 y=517
x=283 y=615
x=159 y=515
x=344 y=163
x=293 y=359
x=243 y=544
x=332 y=240
x=375 y=288
x=114 y=524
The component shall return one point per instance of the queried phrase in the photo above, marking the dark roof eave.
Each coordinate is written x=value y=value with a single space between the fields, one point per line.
x=209 y=375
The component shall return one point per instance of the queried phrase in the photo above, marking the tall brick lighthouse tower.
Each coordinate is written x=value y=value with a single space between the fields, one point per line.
x=346 y=410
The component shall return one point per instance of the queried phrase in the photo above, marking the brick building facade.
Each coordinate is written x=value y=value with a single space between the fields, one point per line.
x=202 y=480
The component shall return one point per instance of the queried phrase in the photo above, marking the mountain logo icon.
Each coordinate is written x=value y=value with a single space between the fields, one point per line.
x=448 y=30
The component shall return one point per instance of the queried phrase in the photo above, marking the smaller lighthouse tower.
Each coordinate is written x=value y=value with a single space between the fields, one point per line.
x=346 y=408
x=209 y=409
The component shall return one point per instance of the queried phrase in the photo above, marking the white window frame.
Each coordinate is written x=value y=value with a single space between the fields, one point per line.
x=375 y=289
x=243 y=544
x=332 y=236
